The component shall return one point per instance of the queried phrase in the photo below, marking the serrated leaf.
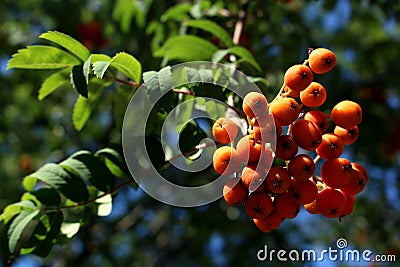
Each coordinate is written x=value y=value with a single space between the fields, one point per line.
x=99 y=57
x=83 y=106
x=42 y=57
x=186 y=48
x=18 y=226
x=91 y=168
x=54 y=82
x=16 y=208
x=79 y=81
x=212 y=28
x=100 y=68
x=128 y=65
x=69 y=43
x=158 y=82
x=53 y=225
x=69 y=184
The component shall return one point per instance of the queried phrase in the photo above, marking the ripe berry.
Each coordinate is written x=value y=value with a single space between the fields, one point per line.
x=312 y=207
x=332 y=146
x=249 y=149
x=306 y=134
x=269 y=223
x=356 y=184
x=224 y=130
x=286 y=110
x=319 y=118
x=298 y=77
x=286 y=147
x=290 y=93
x=255 y=104
x=265 y=129
x=349 y=136
x=301 y=167
x=348 y=208
x=253 y=176
x=277 y=180
x=285 y=207
x=226 y=160
x=314 y=95
x=235 y=193
x=321 y=60
x=303 y=192
x=330 y=202
x=258 y=205
x=337 y=173
x=360 y=168
x=346 y=114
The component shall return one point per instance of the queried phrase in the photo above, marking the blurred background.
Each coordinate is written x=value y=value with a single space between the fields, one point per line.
x=365 y=35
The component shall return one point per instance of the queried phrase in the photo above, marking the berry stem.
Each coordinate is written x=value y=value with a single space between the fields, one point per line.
x=317 y=158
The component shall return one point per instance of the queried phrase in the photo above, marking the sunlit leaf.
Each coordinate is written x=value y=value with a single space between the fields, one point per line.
x=212 y=28
x=69 y=43
x=18 y=226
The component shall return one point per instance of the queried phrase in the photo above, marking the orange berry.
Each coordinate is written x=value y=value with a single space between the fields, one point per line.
x=360 y=168
x=356 y=184
x=319 y=118
x=285 y=207
x=303 y=192
x=286 y=110
x=348 y=208
x=249 y=149
x=291 y=93
x=321 y=60
x=298 y=77
x=346 y=114
x=255 y=104
x=314 y=95
x=337 y=173
x=330 y=202
x=258 y=205
x=349 y=136
x=301 y=167
x=332 y=146
x=235 y=193
x=226 y=160
x=266 y=157
x=277 y=180
x=312 y=207
x=307 y=134
x=269 y=223
x=265 y=129
x=225 y=130
x=253 y=176
x=286 y=147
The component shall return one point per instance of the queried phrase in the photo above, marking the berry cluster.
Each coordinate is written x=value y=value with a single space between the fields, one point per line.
x=273 y=186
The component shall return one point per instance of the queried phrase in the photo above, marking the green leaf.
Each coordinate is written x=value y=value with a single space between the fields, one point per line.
x=219 y=55
x=69 y=43
x=158 y=82
x=186 y=48
x=42 y=57
x=91 y=168
x=15 y=208
x=177 y=12
x=83 y=106
x=245 y=55
x=79 y=81
x=52 y=221
x=113 y=158
x=48 y=196
x=100 y=68
x=70 y=229
x=258 y=80
x=69 y=184
x=54 y=82
x=212 y=28
x=128 y=65
x=18 y=226
x=99 y=57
